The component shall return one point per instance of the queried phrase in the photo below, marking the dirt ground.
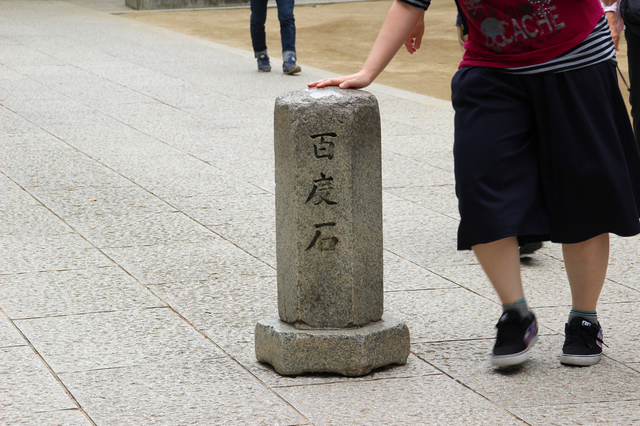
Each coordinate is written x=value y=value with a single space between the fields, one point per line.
x=337 y=38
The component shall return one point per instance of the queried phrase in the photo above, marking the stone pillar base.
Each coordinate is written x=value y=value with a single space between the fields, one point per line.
x=349 y=351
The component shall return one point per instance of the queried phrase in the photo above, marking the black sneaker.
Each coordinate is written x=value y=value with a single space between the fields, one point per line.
x=516 y=335
x=529 y=248
x=582 y=343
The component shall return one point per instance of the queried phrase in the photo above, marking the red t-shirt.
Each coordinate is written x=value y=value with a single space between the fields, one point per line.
x=517 y=33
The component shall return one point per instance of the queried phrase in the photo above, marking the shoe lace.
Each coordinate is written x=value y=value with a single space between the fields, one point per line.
x=586 y=334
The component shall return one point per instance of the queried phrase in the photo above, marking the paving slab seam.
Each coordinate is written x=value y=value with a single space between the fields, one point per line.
x=14 y=346
x=578 y=404
x=445 y=278
x=633 y=367
x=567 y=305
x=413 y=290
x=184 y=319
x=92 y=312
x=48 y=270
x=55 y=411
x=360 y=379
x=611 y=280
x=49 y=369
x=620 y=363
x=141 y=187
x=120 y=367
x=477 y=339
x=424 y=207
x=605 y=303
x=472 y=389
x=233 y=130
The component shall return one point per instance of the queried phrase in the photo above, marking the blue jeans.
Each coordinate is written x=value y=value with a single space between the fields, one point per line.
x=287 y=25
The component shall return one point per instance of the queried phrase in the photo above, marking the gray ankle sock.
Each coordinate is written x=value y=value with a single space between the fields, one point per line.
x=520 y=306
x=589 y=316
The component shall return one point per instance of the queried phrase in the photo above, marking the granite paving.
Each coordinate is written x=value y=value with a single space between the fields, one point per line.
x=137 y=249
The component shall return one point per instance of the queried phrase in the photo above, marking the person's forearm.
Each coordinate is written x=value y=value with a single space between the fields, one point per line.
x=398 y=25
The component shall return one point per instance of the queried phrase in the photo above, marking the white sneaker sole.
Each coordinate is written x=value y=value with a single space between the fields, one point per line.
x=513 y=359
x=580 y=360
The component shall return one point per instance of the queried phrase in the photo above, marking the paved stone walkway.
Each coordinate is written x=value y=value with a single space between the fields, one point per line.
x=138 y=250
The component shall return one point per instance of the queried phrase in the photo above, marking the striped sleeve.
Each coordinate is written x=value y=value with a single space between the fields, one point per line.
x=418 y=4
x=597 y=47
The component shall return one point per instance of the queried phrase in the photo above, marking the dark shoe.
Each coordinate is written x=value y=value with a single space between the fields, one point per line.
x=289 y=66
x=263 y=62
x=582 y=343
x=530 y=248
x=516 y=335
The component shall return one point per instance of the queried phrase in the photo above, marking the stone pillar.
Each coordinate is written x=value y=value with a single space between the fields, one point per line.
x=329 y=239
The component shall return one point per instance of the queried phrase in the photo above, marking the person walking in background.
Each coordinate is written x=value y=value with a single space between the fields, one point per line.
x=629 y=10
x=287 y=35
x=616 y=26
x=543 y=150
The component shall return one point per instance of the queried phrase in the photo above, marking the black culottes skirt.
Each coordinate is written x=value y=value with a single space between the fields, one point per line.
x=544 y=156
